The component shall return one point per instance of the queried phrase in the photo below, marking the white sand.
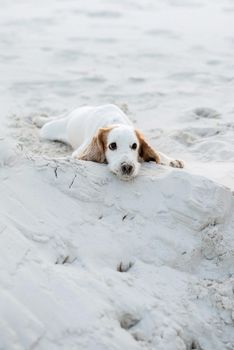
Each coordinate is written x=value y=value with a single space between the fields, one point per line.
x=91 y=262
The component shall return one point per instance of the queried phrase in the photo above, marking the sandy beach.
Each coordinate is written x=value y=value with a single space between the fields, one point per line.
x=89 y=261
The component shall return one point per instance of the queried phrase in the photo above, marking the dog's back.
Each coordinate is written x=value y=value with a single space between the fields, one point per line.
x=82 y=124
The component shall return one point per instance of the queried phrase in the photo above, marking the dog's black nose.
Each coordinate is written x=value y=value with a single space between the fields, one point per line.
x=126 y=168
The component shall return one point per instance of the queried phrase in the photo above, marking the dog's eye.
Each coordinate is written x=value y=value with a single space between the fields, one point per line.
x=113 y=146
x=134 y=145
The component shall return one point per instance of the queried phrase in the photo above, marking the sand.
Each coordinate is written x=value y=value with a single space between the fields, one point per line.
x=89 y=261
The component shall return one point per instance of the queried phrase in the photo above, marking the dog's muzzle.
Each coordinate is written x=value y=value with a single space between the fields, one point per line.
x=127 y=169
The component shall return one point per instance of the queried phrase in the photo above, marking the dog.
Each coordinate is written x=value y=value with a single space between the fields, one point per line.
x=104 y=134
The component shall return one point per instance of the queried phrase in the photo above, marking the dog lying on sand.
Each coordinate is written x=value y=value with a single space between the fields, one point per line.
x=104 y=134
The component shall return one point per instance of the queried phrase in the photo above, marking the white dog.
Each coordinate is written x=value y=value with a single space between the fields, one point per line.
x=104 y=134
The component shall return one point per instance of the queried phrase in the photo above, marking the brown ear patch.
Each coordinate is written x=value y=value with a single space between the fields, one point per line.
x=146 y=152
x=95 y=151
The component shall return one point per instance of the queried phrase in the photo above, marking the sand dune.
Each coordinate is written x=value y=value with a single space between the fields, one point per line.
x=88 y=261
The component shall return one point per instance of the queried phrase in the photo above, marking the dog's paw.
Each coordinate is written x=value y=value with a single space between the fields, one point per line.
x=76 y=155
x=177 y=163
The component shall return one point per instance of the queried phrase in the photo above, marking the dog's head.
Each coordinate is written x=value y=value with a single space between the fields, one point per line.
x=123 y=148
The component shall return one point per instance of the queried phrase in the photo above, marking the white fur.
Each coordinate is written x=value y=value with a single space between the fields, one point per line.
x=124 y=135
x=80 y=126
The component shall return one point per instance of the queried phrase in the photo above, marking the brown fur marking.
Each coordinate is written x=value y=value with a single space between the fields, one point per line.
x=146 y=152
x=95 y=151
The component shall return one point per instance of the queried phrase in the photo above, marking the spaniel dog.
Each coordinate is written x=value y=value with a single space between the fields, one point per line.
x=104 y=134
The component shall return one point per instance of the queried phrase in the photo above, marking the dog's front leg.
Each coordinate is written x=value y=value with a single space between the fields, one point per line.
x=78 y=152
x=165 y=160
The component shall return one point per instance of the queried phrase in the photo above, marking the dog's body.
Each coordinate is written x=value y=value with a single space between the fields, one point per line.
x=105 y=134
x=79 y=127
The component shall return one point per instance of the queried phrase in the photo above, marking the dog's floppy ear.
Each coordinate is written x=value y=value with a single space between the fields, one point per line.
x=95 y=151
x=146 y=152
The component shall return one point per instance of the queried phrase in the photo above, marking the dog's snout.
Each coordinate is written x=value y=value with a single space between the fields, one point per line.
x=126 y=168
